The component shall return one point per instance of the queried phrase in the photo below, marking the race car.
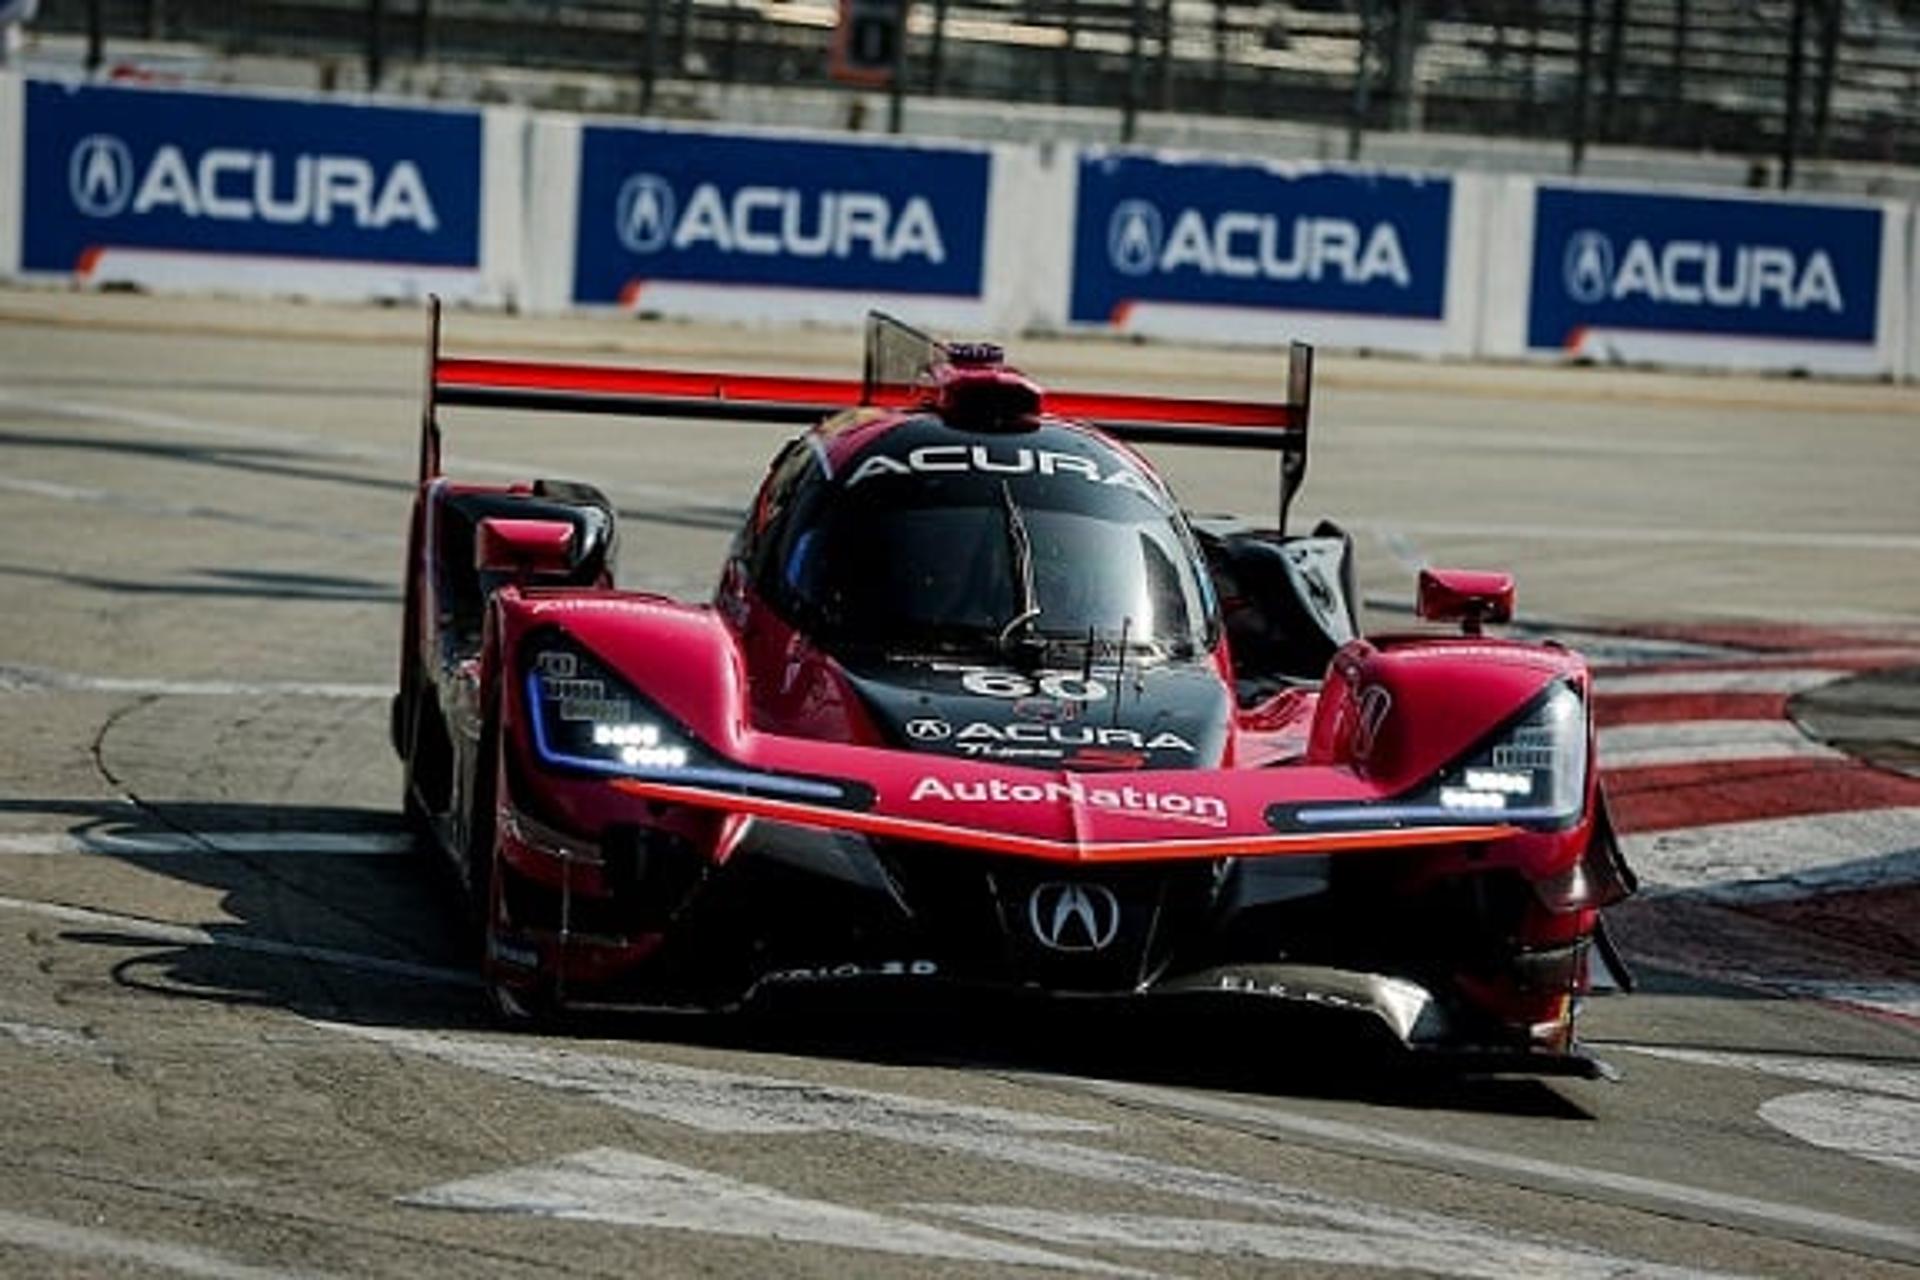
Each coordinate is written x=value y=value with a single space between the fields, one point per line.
x=976 y=703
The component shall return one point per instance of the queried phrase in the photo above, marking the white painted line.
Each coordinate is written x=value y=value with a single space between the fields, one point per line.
x=627 y=1189
x=50 y=1236
x=715 y=1101
x=1779 y=680
x=1843 y=1073
x=730 y=1102
x=1768 y=1216
x=25 y=679
x=1318 y=1246
x=206 y=843
x=1641 y=746
x=185 y=935
x=1884 y=1130
x=1781 y=858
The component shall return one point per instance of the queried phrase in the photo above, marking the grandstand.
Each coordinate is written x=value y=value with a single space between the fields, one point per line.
x=1684 y=74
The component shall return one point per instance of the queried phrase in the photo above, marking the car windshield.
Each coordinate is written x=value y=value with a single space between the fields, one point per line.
x=934 y=560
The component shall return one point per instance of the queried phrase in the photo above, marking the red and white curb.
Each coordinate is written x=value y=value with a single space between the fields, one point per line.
x=1718 y=794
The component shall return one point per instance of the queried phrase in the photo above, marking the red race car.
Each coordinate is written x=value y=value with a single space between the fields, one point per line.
x=975 y=702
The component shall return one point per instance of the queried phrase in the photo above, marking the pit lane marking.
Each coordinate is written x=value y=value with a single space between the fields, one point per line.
x=738 y=1103
x=183 y=935
x=48 y=1235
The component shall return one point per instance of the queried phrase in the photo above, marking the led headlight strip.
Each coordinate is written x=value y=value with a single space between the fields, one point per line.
x=584 y=718
x=1531 y=772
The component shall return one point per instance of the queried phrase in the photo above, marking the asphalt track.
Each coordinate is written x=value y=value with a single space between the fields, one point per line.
x=237 y=1037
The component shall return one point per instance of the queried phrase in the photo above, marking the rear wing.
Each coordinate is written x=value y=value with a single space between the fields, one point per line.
x=903 y=368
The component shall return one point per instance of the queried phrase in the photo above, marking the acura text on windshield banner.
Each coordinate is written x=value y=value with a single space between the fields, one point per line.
x=660 y=204
x=1701 y=265
x=123 y=168
x=1152 y=229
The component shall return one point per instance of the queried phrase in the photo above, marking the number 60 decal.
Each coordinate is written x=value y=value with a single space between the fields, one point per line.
x=1062 y=685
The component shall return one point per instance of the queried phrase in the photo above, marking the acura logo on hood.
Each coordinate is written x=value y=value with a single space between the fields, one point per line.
x=1073 y=917
x=929 y=729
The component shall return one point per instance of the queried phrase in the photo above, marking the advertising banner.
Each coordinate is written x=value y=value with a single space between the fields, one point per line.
x=166 y=186
x=1693 y=277
x=659 y=209
x=1158 y=236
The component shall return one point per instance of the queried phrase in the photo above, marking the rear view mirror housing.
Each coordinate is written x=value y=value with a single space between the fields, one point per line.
x=1470 y=597
x=523 y=549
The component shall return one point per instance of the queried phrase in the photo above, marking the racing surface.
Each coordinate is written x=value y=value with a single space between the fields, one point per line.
x=238 y=1027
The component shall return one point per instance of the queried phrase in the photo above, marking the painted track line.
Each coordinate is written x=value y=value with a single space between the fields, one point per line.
x=326 y=844
x=26 y=680
x=183 y=935
x=95 y=1244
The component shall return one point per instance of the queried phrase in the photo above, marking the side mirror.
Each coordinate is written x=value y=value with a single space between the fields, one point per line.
x=1465 y=596
x=523 y=548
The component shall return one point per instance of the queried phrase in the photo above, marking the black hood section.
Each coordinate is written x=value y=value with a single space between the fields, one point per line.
x=1166 y=715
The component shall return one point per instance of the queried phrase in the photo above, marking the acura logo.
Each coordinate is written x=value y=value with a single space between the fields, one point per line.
x=1133 y=237
x=1588 y=266
x=100 y=175
x=644 y=217
x=1074 y=917
x=929 y=729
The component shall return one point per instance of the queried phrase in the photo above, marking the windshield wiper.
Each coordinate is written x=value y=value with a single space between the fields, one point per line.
x=1021 y=623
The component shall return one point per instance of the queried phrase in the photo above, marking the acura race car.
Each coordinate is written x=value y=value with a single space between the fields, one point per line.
x=975 y=702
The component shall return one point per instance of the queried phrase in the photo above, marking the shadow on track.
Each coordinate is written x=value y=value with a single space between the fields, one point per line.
x=377 y=938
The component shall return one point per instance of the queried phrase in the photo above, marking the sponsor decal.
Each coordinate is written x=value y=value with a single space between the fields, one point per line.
x=787 y=212
x=1244 y=244
x=983 y=739
x=928 y=729
x=1624 y=260
x=1073 y=917
x=235 y=184
x=772 y=221
x=111 y=167
x=853 y=969
x=1002 y=460
x=1699 y=273
x=1125 y=800
x=1156 y=229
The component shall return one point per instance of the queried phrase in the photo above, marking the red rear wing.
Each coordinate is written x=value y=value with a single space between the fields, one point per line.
x=903 y=369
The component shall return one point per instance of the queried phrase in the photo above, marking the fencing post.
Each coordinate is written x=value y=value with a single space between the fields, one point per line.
x=1362 y=79
x=1790 y=126
x=1582 y=85
x=650 y=57
x=1130 y=105
x=376 y=42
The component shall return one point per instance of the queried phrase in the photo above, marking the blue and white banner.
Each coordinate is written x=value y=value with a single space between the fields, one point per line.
x=1152 y=229
x=1620 y=262
x=742 y=211
x=135 y=177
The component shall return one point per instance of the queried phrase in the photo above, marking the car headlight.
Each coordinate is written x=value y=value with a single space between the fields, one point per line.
x=585 y=717
x=1533 y=773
